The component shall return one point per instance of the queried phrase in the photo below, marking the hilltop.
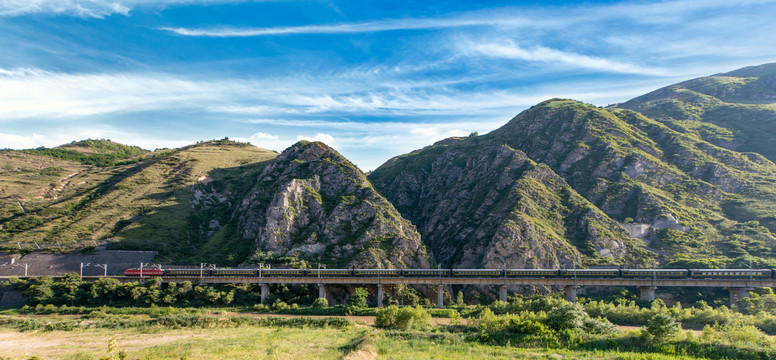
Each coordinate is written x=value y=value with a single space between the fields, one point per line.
x=734 y=110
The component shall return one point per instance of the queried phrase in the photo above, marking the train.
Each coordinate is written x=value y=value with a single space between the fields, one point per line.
x=458 y=273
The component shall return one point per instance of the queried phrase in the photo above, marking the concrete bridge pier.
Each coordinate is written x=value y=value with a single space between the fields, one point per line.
x=571 y=292
x=379 y=295
x=647 y=292
x=738 y=293
x=441 y=297
x=264 y=292
x=502 y=293
x=321 y=291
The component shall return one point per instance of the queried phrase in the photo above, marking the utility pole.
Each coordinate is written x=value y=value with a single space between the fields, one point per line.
x=81 y=274
x=104 y=266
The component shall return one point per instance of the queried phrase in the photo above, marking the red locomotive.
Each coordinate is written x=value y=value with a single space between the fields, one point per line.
x=146 y=272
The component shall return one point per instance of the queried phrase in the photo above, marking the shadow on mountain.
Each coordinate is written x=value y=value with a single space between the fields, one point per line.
x=196 y=222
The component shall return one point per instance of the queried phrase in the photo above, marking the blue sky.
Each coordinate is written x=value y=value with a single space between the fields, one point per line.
x=372 y=79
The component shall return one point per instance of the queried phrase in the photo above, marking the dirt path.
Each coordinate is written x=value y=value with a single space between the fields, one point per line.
x=364 y=320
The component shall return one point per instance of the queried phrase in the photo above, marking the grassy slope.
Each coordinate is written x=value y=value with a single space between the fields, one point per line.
x=736 y=110
x=687 y=177
x=143 y=204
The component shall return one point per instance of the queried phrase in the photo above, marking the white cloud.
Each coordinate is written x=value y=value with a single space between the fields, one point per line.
x=91 y=8
x=58 y=136
x=510 y=50
x=326 y=138
x=33 y=93
x=366 y=27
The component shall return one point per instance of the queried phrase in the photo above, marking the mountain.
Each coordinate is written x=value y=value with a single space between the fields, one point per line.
x=681 y=177
x=734 y=110
x=312 y=203
x=216 y=201
x=636 y=179
x=61 y=200
x=480 y=203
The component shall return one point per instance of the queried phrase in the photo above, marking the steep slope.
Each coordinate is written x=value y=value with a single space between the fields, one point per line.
x=312 y=204
x=678 y=192
x=480 y=203
x=735 y=110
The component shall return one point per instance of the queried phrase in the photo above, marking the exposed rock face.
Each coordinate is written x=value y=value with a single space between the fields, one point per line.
x=478 y=203
x=313 y=203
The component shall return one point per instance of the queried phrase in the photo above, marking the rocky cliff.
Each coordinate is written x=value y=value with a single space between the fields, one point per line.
x=313 y=204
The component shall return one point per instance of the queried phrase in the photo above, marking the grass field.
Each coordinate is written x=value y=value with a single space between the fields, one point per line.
x=197 y=343
x=244 y=336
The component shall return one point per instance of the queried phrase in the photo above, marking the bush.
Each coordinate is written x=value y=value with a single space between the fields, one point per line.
x=406 y=318
x=526 y=326
x=358 y=298
x=320 y=303
x=568 y=316
x=599 y=326
x=663 y=326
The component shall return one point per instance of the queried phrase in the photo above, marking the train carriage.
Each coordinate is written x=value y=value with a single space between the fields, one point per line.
x=187 y=272
x=234 y=272
x=478 y=273
x=329 y=272
x=281 y=272
x=590 y=273
x=375 y=272
x=425 y=272
x=536 y=273
x=730 y=273
x=655 y=273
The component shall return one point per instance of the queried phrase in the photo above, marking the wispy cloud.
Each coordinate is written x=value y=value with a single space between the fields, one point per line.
x=510 y=50
x=34 y=93
x=91 y=8
x=365 y=27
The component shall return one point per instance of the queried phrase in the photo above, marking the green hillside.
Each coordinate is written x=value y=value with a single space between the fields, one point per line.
x=691 y=201
x=145 y=204
x=735 y=110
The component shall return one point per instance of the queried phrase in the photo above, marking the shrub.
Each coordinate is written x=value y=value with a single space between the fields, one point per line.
x=358 y=298
x=407 y=318
x=663 y=326
x=568 y=316
x=598 y=326
x=320 y=303
x=459 y=299
x=526 y=326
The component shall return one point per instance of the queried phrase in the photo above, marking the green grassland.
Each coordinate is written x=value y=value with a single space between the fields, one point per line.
x=397 y=333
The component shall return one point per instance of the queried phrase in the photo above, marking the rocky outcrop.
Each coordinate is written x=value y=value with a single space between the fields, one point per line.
x=313 y=204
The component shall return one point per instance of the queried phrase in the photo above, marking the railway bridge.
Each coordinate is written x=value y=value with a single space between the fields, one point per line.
x=738 y=288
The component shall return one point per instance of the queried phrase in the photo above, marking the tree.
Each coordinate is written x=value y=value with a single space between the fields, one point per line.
x=459 y=299
x=320 y=303
x=663 y=326
x=568 y=316
x=358 y=298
